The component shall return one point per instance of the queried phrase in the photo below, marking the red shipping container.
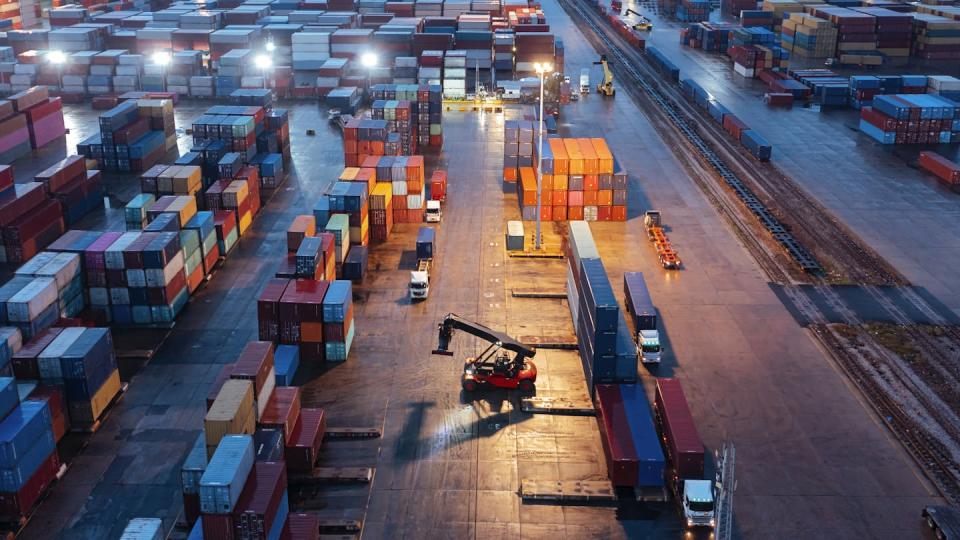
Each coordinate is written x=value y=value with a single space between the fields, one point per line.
x=222 y=377
x=57 y=402
x=191 y=507
x=211 y=258
x=6 y=177
x=219 y=526
x=337 y=331
x=24 y=361
x=733 y=125
x=282 y=411
x=19 y=201
x=225 y=221
x=303 y=301
x=13 y=506
x=60 y=175
x=945 y=170
x=255 y=363
x=268 y=309
x=678 y=429
x=301 y=454
x=311 y=352
x=301 y=527
x=33 y=223
x=257 y=507
x=622 y=464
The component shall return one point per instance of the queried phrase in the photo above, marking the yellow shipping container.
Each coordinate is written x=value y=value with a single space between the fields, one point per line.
x=357 y=233
x=84 y=413
x=574 y=156
x=245 y=221
x=561 y=162
x=383 y=189
x=187 y=180
x=349 y=174
x=231 y=413
x=185 y=206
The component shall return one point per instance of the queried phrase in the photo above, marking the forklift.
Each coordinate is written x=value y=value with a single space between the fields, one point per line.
x=605 y=88
x=643 y=24
x=494 y=366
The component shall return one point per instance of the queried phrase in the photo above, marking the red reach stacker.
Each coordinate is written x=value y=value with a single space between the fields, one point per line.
x=493 y=366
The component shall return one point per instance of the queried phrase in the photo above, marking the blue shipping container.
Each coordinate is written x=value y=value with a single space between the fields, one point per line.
x=646 y=441
x=223 y=480
x=20 y=430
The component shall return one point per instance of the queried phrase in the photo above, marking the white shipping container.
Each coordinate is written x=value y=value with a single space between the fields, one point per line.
x=264 y=396
x=113 y=255
x=31 y=267
x=309 y=37
x=143 y=529
x=12 y=336
x=157 y=277
x=201 y=92
x=63 y=269
x=125 y=80
x=321 y=48
x=136 y=277
x=414 y=202
x=49 y=360
x=99 y=296
x=25 y=69
x=30 y=301
x=128 y=70
x=400 y=188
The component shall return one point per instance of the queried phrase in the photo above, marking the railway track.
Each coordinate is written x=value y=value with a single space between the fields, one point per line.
x=737 y=185
x=811 y=236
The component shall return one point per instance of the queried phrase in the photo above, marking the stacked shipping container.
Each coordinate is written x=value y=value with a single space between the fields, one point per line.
x=133 y=135
x=911 y=119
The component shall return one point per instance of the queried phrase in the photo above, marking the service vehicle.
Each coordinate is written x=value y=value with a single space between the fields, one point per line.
x=644 y=315
x=419 y=286
x=605 y=87
x=669 y=258
x=585 y=81
x=694 y=496
x=493 y=366
x=433 y=212
x=944 y=521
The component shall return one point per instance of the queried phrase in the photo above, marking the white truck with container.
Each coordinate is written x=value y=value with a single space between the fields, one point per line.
x=585 y=81
x=419 y=286
x=644 y=315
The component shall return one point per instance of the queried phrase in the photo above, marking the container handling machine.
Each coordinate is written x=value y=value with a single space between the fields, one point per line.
x=493 y=366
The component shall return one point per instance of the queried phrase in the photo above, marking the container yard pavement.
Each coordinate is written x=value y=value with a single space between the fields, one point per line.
x=903 y=213
x=131 y=466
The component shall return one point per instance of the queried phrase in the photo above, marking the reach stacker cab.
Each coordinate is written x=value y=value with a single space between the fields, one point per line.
x=494 y=366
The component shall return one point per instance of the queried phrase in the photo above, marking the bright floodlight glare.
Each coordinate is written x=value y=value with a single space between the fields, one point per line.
x=263 y=61
x=368 y=60
x=542 y=68
x=161 y=58
x=56 y=57
x=271 y=46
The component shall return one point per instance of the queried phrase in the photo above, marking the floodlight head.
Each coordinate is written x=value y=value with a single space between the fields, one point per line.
x=368 y=59
x=271 y=46
x=161 y=58
x=263 y=61
x=57 y=57
x=542 y=69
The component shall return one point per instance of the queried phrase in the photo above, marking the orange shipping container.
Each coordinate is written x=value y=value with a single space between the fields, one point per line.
x=311 y=332
x=603 y=213
x=528 y=187
x=559 y=197
x=619 y=213
x=546 y=182
x=561 y=181
x=509 y=174
x=546 y=213
x=559 y=213
x=591 y=182
x=575 y=213
x=367 y=176
x=301 y=227
x=589 y=156
x=574 y=198
x=370 y=162
x=589 y=198
x=605 y=197
x=604 y=156
x=350 y=147
x=415 y=168
x=561 y=162
x=349 y=174
x=574 y=156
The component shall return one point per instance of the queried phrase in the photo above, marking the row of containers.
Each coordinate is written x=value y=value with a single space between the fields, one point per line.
x=61 y=380
x=108 y=57
x=29 y=120
x=34 y=214
x=753 y=142
x=942 y=168
x=911 y=119
x=404 y=119
x=255 y=434
x=580 y=179
x=630 y=435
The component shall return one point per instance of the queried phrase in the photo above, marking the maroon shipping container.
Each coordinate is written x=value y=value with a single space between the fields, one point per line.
x=191 y=507
x=287 y=269
x=33 y=223
x=301 y=453
x=733 y=125
x=941 y=167
x=60 y=175
x=301 y=527
x=222 y=377
x=24 y=361
x=6 y=177
x=13 y=506
x=255 y=363
x=337 y=331
x=615 y=436
x=259 y=501
x=268 y=309
x=303 y=301
x=23 y=199
x=219 y=526
x=282 y=411
x=684 y=448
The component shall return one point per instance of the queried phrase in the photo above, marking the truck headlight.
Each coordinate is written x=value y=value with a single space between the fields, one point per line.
x=713 y=522
x=689 y=522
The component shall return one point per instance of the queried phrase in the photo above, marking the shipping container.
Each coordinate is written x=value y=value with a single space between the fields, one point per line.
x=303 y=450
x=646 y=442
x=257 y=510
x=144 y=529
x=639 y=304
x=615 y=436
x=222 y=481
x=679 y=432
x=232 y=413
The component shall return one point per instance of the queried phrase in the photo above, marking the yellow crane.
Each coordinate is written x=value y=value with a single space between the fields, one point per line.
x=605 y=88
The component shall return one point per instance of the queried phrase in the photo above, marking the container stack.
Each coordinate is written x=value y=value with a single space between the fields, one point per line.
x=364 y=137
x=350 y=198
x=16 y=141
x=807 y=36
x=67 y=288
x=44 y=115
x=78 y=190
x=346 y=99
x=30 y=455
x=381 y=211
x=709 y=36
x=693 y=10
x=503 y=46
x=911 y=119
x=316 y=316
x=532 y=48
x=935 y=37
x=399 y=117
x=133 y=135
x=893 y=30
x=579 y=182
x=30 y=220
x=856 y=31
x=519 y=148
x=82 y=361
x=455 y=75
x=606 y=348
x=407 y=176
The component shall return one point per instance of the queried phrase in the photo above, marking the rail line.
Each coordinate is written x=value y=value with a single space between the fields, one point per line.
x=716 y=157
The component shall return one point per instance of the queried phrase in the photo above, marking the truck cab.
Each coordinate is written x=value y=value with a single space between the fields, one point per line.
x=648 y=346
x=434 y=213
x=420 y=284
x=698 y=506
x=585 y=81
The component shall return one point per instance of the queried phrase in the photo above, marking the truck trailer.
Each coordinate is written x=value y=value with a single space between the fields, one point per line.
x=644 y=316
x=684 y=452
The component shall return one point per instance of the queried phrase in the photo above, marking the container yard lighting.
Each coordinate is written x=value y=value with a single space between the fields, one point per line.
x=271 y=46
x=161 y=58
x=368 y=60
x=57 y=57
x=264 y=63
x=542 y=70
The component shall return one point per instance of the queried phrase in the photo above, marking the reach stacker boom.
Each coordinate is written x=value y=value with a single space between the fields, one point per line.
x=493 y=366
